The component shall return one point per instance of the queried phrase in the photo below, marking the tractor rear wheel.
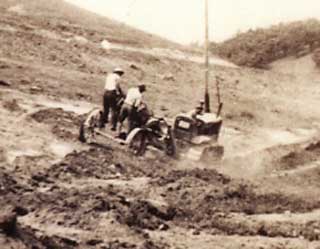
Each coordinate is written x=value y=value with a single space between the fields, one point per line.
x=82 y=135
x=138 y=143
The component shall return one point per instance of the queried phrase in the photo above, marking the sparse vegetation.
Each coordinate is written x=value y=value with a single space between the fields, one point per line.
x=257 y=48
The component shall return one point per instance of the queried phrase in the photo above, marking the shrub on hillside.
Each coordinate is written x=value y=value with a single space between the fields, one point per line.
x=258 y=48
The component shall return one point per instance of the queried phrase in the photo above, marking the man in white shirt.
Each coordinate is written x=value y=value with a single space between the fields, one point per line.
x=130 y=106
x=92 y=121
x=112 y=93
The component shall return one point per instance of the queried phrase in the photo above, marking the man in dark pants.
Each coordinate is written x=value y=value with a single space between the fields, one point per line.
x=111 y=96
x=129 y=109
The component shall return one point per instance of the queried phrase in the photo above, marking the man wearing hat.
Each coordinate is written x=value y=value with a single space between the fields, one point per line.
x=130 y=106
x=198 y=110
x=112 y=94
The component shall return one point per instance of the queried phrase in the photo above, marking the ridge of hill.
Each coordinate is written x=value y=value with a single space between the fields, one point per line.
x=68 y=17
x=257 y=48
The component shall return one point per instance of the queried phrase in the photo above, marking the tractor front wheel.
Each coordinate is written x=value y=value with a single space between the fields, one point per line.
x=171 y=146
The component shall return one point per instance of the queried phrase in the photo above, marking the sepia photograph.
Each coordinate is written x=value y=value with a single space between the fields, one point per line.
x=159 y=124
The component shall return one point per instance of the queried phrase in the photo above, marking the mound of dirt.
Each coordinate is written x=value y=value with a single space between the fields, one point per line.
x=18 y=200
x=64 y=124
x=197 y=200
x=144 y=215
x=148 y=244
x=206 y=175
x=84 y=208
x=275 y=159
x=25 y=238
x=8 y=220
x=12 y=106
x=9 y=185
x=15 y=194
x=80 y=209
x=299 y=156
x=29 y=165
x=56 y=116
x=13 y=235
x=247 y=226
x=104 y=161
x=96 y=162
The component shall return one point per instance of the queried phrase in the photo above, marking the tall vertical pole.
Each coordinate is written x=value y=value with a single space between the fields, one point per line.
x=206 y=95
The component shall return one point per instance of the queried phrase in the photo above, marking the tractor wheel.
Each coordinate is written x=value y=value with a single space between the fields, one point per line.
x=171 y=146
x=138 y=143
x=82 y=135
x=86 y=135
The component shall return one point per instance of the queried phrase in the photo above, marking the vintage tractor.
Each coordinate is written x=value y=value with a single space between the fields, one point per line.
x=195 y=139
x=192 y=135
x=188 y=137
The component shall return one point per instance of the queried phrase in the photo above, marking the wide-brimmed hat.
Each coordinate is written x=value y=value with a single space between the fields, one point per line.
x=118 y=70
x=142 y=87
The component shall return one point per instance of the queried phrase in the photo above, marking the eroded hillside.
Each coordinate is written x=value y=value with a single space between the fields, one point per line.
x=264 y=193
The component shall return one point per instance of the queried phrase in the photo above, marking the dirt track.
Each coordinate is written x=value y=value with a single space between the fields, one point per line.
x=264 y=194
x=72 y=195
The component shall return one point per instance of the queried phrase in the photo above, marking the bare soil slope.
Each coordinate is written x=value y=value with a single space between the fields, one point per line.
x=59 y=193
x=68 y=18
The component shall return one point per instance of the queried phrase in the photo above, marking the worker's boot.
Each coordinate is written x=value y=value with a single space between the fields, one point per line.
x=119 y=130
x=120 y=134
x=114 y=125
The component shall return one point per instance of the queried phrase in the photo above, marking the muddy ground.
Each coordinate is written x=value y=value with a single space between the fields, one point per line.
x=56 y=192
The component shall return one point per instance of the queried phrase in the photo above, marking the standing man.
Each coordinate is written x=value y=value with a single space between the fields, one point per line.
x=112 y=93
x=130 y=106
